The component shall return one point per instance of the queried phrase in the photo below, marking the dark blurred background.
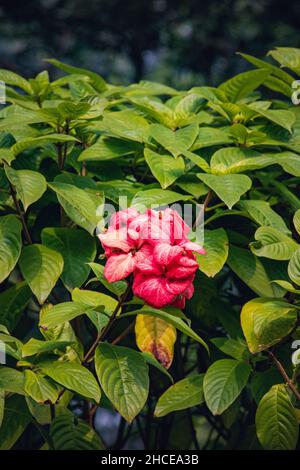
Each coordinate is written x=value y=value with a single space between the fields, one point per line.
x=179 y=42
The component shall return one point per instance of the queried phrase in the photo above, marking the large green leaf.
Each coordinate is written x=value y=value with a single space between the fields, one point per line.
x=77 y=248
x=82 y=206
x=242 y=84
x=180 y=396
x=263 y=214
x=39 y=388
x=287 y=57
x=70 y=433
x=281 y=117
x=250 y=269
x=29 y=185
x=40 y=141
x=126 y=124
x=96 y=79
x=99 y=301
x=73 y=376
x=237 y=160
x=175 y=142
x=11 y=380
x=123 y=375
x=10 y=244
x=16 y=420
x=294 y=267
x=107 y=149
x=61 y=313
x=276 y=421
x=36 y=346
x=266 y=321
x=272 y=243
x=156 y=197
x=12 y=78
x=41 y=268
x=223 y=382
x=165 y=168
x=229 y=188
x=13 y=301
x=216 y=252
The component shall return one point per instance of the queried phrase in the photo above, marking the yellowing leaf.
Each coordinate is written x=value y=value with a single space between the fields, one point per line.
x=157 y=337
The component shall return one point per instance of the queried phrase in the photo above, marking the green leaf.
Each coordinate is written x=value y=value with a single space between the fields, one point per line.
x=174 y=320
x=107 y=149
x=11 y=380
x=235 y=348
x=36 y=346
x=12 y=78
x=175 y=142
x=39 y=388
x=276 y=71
x=262 y=213
x=16 y=420
x=216 y=252
x=13 y=301
x=41 y=268
x=70 y=433
x=244 y=83
x=281 y=117
x=250 y=269
x=236 y=160
x=77 y=248
x=165 y=168
x=98 y=301
x=296 y=221
x=80 y=205
x=73 y=376
x=287 y=57
x=41 y=141
x=223 y=382
x=97 y=81
x=294 y=267
x=156 y=197
x=61 y=313
x=276 y=422
x=10 y=244
x=266 y=321
x=229 y=188
x=210 y=136
x=150 y=359
x=29 y=185
x=123 y=375
x=182 y=395
x=272 y=243
x=126 y=124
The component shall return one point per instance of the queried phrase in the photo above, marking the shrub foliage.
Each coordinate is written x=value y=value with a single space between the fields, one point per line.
x=76 y=345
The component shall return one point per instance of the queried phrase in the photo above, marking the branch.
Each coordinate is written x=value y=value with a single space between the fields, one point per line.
x=205 y=204
x=282 y=370
x=102 y=333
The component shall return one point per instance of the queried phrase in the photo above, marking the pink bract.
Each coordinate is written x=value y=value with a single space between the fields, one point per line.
x=154 y=248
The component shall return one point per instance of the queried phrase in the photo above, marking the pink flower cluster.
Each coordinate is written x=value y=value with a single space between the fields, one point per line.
x=155 y=248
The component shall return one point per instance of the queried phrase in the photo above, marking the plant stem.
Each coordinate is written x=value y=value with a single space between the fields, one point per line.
x=21 y=213
x=123 y=334
x=102 y=333
x=205 y=204
x=282 y=370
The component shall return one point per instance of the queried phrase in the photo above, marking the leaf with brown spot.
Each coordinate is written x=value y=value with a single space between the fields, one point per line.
x=156 y=337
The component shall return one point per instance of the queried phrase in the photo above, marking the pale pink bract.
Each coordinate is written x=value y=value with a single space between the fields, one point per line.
x=154 y=248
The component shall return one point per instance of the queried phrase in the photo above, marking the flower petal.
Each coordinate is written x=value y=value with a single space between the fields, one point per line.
x=165 y=254
x=117 y=239
x=153 y=290
x=192 y=246
x=119 y=266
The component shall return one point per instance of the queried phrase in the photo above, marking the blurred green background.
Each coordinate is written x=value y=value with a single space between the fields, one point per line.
x=179 y=42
